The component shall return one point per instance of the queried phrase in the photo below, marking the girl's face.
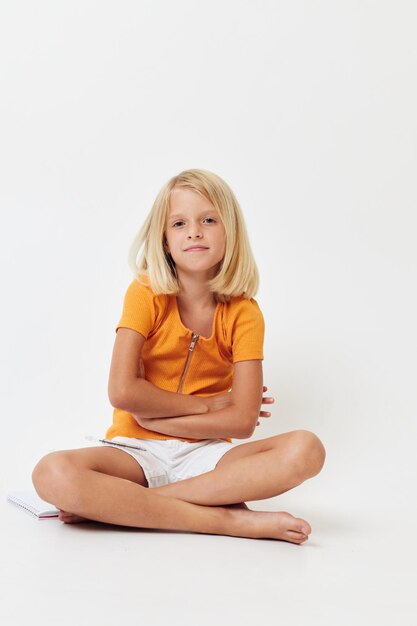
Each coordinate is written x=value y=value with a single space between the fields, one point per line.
x=195 y=235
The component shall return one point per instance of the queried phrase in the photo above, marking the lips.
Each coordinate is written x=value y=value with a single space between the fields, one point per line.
x=196 y=248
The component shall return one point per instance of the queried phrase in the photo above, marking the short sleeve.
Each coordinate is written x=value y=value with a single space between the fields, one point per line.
x=138 y=309
x=248 y=332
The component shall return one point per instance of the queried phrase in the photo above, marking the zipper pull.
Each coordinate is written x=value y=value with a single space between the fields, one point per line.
x=193 y=342
x=187 y=363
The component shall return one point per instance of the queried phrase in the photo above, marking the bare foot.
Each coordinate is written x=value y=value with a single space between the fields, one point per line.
x=254 y=524
x=271 y=525
x=69 y=518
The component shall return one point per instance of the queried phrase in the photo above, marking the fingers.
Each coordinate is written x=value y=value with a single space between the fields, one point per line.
x=263 y=414
x=267 y=399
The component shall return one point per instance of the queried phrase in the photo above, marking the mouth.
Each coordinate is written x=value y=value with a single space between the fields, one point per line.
x=196 y=249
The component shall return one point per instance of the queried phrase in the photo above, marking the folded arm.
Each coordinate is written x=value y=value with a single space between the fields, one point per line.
x=237 y=419
x=128 y=390
x=233 y=414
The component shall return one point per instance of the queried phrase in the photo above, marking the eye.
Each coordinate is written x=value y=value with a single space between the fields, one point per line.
x=178 y=222
x=210 y=219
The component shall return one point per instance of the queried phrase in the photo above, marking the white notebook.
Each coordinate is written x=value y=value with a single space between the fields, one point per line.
x=29 y=501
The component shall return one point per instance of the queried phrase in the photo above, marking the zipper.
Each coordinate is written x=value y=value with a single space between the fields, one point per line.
x=187 y=363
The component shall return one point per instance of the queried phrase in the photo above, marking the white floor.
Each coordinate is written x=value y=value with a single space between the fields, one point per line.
x=357 y=568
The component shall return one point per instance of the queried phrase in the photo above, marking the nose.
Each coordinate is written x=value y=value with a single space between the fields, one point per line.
x=194 y=231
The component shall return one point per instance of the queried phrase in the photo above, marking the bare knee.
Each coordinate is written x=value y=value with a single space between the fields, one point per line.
x=53 y=477
x=309 y=453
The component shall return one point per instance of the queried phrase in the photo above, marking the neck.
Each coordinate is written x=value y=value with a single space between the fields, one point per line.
x=195 y=293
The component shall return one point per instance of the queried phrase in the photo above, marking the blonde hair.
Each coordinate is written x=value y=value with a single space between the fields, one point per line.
x=237 y=275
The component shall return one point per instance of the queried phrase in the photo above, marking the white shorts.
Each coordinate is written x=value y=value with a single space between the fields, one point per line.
x=167 y=461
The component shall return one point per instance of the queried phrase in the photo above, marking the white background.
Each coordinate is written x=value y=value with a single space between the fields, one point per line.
x=307 y=110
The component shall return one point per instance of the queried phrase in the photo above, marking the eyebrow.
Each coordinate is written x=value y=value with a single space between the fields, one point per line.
x=177 y=216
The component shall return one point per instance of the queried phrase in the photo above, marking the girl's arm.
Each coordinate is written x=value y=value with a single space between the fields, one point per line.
x=129 y=391
x=237 y=420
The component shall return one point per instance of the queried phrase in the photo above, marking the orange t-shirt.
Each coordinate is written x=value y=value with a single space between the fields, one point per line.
x=237 y=335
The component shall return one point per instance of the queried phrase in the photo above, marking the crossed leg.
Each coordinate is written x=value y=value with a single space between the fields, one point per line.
x=254 y=471
x=107 y=485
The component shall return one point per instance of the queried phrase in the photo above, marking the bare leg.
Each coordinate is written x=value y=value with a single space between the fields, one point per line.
x=98 y=496
x=119 y=465
x=254 y=471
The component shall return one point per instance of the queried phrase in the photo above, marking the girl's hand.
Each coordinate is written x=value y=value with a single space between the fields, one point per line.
x=218 y=401
x=222 y=400
x=145 y=422
x=265 y=400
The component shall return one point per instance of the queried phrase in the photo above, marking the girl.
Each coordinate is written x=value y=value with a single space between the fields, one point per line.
x=186 y=378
